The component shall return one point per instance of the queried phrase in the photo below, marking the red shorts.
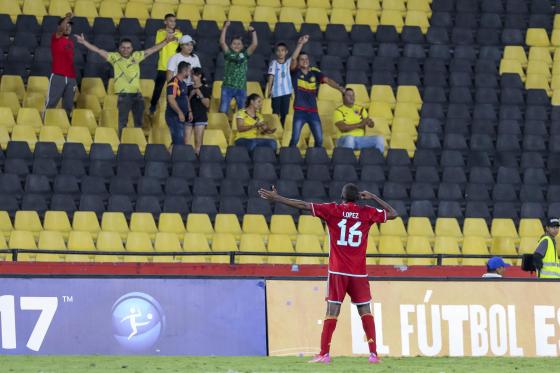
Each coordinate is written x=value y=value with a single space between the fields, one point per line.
x=356 y=287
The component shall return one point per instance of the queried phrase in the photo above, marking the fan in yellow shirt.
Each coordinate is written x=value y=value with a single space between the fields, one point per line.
x=251 y=126
x=351 y=120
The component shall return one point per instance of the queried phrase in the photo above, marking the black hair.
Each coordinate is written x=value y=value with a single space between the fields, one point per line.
x=182 y=66
x=348 y=89
x=281 y=44
x=235 y=37
x=125 y=40
x=350 y=193
x=251 y=97
x=199 y=71
x=169 y=15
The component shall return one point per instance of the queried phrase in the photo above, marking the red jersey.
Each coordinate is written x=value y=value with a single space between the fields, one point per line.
x=348 y=225
x=62 y=52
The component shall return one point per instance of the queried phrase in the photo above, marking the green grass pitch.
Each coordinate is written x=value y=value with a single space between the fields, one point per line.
x=149 y=364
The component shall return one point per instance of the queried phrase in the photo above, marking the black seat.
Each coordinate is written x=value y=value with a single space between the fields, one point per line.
x=344 y=172
x=150 y=186
x=288 y=188
x=204 y=187
x=450 y=209
x=184 y=170
x=67 y=185
x=231 y=205
x=319 y=172
x=264 y=171
x=183 y=153
x=313 y=189
x=238 y=171
x=534 y=176
x=129 y=153
x=505 y=210
x=129 y=170
x=394 y=191
x=422 y=191
x=531 y=193
x=157 y=153
x=176 y=204
x=149 y=204
x=361 y=33
x=232 y=188
x=46 y=167
x=121 y=185
x=176 y=186
x=34 y=202
x=316 y=156
x=373 y=173
x=454 y=174
x=211 y=170
x=17 y=167
x=120 y=203
x=257 y=205
x=291 y=172
x=37 y=184
x=101 y=168
x=159 y=170
x=504 y=193
x=532 y=210
x=422 y=208
x=335 y=190
x=204 y=205
x=263 y=154
x=210 y=154
x=94 y=185
x=371 y=156
x=74 y=150
x=26 y=22
x=452 y=158
x=450 y=192
x=19 y=150
x=508 y=175
x=63 y=202
x=237 y=154
x=10 y=184
x=477 y=192
x=477 y=210
x=92 y=202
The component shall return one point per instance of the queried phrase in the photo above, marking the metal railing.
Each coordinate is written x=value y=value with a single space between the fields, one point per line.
x=233 y=254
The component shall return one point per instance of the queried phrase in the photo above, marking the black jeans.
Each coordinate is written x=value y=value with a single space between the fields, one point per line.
x=158 y=86
x=281 y=106
x=127 y=102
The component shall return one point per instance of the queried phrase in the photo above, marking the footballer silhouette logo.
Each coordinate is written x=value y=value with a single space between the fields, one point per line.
x=138 y=321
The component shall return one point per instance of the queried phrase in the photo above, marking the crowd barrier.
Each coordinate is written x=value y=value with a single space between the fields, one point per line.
x=211 y=316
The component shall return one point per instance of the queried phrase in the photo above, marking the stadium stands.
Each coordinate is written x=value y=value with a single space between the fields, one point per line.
x=466 y=94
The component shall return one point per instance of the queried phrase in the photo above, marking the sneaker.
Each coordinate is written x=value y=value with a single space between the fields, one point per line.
x=325 y=359
x=373 y=358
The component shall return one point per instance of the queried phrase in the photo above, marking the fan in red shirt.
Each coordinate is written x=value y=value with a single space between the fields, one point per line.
x=348 y=224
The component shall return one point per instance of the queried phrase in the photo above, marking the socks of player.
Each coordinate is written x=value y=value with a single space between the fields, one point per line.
x=369 y=328
x=328 y=329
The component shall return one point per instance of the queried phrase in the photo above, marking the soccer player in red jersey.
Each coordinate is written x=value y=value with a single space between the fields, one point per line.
x=348 y=224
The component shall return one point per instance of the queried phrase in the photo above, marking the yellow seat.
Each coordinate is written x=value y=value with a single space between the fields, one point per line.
x=447 y=245
x=86 y=221
x=86 y=8
x=555 y=101
x=540 y=54
x=219 y=121
x=293 y=4
x=473 y=245
x=448 y=227
x=24 y=133
x=35 y=8
x=222 y=242
x=20 y=239
x=214 y=13
x=391 y=245
x=279 y=243
x=159 y=10
x=343 y=17
x=215 y=137
x=200 y=223
x=394 y=227
x=39 y=84
x=110 y=119
x=503 y=246
x=34 y=100
x=512 y=67
x=6 y=226
x=93 y=86
x=530 y=228
x=421 y=5
x=537 y=81
x=326 y=4
x=536 y=67
x=251 y=242
x=421 y=227
x=143 y=222
x=407 y=110
x=13 y=83
x=404 y=126
x=10 y=100
x=106 y=135
x=171 y=223
x=28 y=221
x=393 y=18
x=327 y=93
x=398 y=5
x=291 y=14
x=134 y=136
x=10 y=7
x=308 y=224
x=369 y=4
x=515 y=52
x=246 y=3
x=84 y=118
x=114 y=222
x=167 y=242
x=503 y=228
x=417 y=18
x=81 y=135
x=403 y=141
x=371 y=249
x=528 y=244
x=90 y=102
x=240 y=13
x=318 y=16
x=555 y=38
x=265 y=14
x=57 y=118
x=341 y=4
x=360 y=93
x=189 y=11
x=57 y=221
x=138 y=242
x=59 y=8
x=29 y=117
x=4 y=257
x=137 y=10
x=52 y=240
x=283 y=224
x=253 y=223
x=537 y=37
x=196 y=242
x=383 y=93
x=309 y=243
x=409 y=94
x=52 y=134
x=419 y=245
x=254 y=87
x=228 y=223
x=4 y=137
x=160 y=135
x=476 y=227
x=224 y=3
x=111 y=9
x=367 y=17
x=270 y=3
x=110 y=242
x=7 y=118
x=80 y=241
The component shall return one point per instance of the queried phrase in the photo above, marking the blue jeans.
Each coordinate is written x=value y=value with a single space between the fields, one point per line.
x=251 y=144
x=314 y=121
x=361 y=142
x=228 y=94
x=177 y=129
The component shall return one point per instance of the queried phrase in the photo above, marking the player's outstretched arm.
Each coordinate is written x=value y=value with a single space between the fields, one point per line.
x=391 y=212
x=272 y=195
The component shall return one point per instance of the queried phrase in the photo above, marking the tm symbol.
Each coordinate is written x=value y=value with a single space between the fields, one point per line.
x=67 y=299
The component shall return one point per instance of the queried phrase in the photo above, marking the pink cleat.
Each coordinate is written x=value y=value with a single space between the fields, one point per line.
x=325 y=359
x=373 y=358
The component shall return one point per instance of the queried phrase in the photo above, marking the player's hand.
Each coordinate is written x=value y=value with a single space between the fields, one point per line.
x=370 y=123
x=303 y=39
x=227 y=23
x=367 y=195
x=270 y=195
x=80 y=38
x=181 y=117
x=68 y=15
x=251 y=29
